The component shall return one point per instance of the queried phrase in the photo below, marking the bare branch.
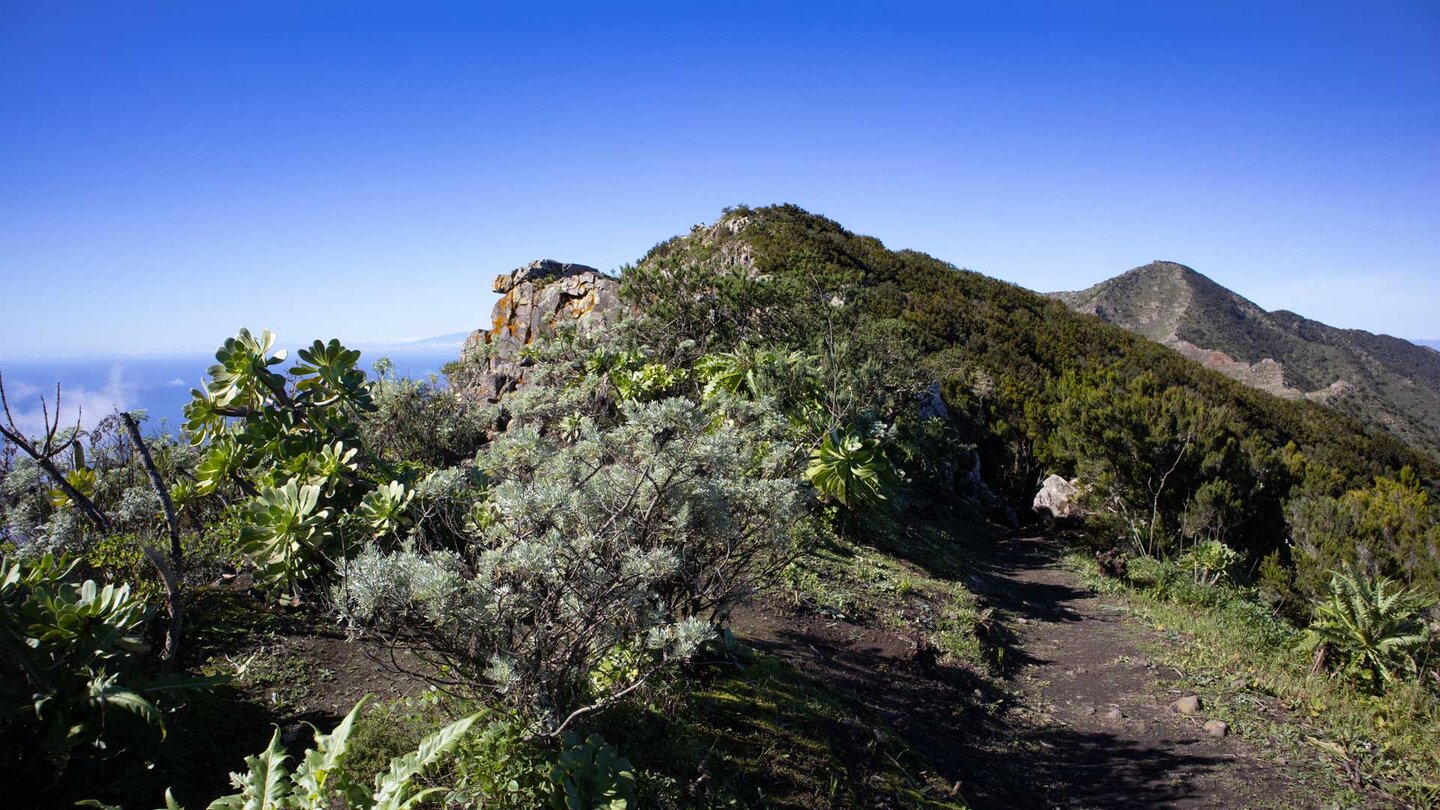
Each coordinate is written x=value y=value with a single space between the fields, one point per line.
x=45 y=458
x=172 y=602
x=133 y=428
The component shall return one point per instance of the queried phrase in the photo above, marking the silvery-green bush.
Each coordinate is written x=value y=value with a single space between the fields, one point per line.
x=613 y=545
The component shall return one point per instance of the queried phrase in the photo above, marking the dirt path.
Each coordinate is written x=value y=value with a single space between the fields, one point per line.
x=1088 y=722
x=1115 y=739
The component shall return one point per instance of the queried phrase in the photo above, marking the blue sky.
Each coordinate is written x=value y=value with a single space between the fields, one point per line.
x=173 y=172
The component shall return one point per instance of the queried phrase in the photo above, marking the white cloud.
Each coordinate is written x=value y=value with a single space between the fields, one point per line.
x=88 y=404
x=176 y=383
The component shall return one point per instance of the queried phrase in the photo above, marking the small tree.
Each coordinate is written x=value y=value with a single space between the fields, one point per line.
x=292 y=446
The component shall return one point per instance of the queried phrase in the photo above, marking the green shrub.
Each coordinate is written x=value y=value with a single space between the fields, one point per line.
x=851 y=470
x=324 y=779
x=639 y=535
x=1369 y=629
x=286 y=534
x=292 y=446
x=591 y=775
x=1210 y=561
x=70 y=654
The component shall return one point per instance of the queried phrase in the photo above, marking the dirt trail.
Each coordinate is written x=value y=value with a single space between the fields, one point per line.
x=1088 y=722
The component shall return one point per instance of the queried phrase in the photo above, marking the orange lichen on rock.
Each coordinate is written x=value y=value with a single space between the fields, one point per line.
x=534 y=300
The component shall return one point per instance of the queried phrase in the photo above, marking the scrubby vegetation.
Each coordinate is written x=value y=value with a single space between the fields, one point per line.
x=789 y=409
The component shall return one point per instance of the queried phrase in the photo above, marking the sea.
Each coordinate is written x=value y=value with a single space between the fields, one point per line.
x=159 y=386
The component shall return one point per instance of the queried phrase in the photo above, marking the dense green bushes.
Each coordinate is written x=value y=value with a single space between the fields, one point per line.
x=1175 y=454
x=609 y=539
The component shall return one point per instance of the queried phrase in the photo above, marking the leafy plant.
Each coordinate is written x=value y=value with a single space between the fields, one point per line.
x=636 y=536
x=851 y=470
x=1210 y=561
x=646 y=381
x=68 y=653
x=1370 y=628
x=295 y=452
x=285 y=533
x=383 y=508
x=321 y=781
x=592 y=775
x=82 y=479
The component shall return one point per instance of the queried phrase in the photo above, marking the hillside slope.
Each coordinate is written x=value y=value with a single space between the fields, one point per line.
x=1384 y=381
x=997 y=347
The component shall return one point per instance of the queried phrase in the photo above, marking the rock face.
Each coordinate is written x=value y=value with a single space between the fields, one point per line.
x=535 y=301
x=1058 y=497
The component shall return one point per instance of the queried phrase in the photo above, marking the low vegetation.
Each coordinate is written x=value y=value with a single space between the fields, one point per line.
x=1264 y=674
x=548 y=583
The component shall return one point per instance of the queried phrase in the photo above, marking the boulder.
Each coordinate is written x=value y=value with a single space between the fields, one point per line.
x=1058 y=497
x=535 y=301
x=1217 y=728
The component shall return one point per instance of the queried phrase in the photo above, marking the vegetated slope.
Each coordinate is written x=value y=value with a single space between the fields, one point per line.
x=1382 y=380
x=1038 y=388
x=999 y=348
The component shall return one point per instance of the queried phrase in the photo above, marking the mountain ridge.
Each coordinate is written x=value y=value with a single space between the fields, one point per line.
x=1385 y=381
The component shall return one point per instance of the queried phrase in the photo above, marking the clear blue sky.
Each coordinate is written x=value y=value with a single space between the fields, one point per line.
x=169 y=173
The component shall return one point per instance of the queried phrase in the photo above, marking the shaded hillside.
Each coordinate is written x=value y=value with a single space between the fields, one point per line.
x=1384 y=381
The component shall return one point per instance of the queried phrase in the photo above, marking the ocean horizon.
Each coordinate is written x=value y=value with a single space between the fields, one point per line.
x=158 y=385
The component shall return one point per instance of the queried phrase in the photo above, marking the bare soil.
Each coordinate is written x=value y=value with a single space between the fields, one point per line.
x=1084 y=719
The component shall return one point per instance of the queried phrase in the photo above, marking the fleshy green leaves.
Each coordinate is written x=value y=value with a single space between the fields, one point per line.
x=72 y=648
x=296 y=443
x=851 y=470
x=241 y=375
x=285 y=533
x=82 y=479
x=384 y=508
x=327 y=375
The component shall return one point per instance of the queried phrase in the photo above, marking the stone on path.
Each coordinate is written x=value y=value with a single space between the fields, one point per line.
x=1188 y=705
x=1217 y=728
x=1114 y=714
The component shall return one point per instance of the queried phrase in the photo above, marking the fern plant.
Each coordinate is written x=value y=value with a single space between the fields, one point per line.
x=321 y=780
x=1371 y=629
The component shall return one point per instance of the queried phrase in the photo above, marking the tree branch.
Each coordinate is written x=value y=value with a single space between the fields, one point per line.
x=171 y=523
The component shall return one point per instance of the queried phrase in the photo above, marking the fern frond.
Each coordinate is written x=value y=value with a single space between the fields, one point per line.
x=391 y=786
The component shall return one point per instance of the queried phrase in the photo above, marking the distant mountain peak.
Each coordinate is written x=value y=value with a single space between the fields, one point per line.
x=1388 y=382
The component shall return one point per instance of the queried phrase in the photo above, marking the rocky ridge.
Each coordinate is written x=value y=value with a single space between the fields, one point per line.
x=536 y=301
x=1384 y=381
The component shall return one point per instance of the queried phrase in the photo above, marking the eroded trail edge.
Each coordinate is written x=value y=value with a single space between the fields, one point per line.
x=1087 y=718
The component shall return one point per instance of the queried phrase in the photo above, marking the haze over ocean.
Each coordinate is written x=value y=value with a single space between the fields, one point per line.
x=94 y=387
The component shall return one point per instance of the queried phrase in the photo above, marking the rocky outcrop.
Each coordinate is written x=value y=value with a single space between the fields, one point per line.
x=1058 y=497
x=535 y=301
